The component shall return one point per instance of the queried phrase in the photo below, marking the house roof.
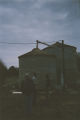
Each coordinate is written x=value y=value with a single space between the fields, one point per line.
x=34 y=52
x=37 y=51
x=59 y=45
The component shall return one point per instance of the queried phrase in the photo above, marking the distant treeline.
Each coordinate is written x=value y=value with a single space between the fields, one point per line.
x=7 y=72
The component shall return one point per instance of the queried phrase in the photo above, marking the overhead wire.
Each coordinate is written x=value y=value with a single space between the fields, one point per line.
x=15 y=43
x=24 y=42
x=74 y=43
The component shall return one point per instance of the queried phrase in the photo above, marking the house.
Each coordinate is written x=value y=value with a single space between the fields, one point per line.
x=66 y=56
x=60 y=62
x=41 y=63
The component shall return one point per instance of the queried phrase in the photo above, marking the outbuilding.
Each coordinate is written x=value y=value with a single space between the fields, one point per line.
x=41 y=63
x=66 y=59
x=58 y=60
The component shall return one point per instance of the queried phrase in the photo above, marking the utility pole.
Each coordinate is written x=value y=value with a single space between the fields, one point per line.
x=37 y=42
x=63 y=71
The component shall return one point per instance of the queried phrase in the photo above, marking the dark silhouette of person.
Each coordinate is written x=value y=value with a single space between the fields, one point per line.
x=28 y=89
x=34 y=78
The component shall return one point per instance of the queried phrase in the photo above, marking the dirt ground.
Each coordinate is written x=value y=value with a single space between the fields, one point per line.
x=61 y=106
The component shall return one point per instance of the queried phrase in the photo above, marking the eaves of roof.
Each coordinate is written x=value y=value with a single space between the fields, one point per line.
x=59 y=45
x=36 y=52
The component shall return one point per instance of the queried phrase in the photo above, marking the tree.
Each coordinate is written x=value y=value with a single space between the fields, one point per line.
x=13 y=71
x=3 y=73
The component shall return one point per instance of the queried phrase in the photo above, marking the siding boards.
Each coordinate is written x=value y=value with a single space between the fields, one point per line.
x=42 y=65
x=70 y=62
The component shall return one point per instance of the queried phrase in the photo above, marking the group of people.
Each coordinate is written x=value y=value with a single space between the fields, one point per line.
x=28 y=88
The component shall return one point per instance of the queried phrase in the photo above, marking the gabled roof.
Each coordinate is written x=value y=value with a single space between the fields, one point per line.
x=59 y=45
x=34 y=52
x=37 y=51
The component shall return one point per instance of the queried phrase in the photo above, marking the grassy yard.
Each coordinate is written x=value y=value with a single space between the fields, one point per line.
x=58 y=107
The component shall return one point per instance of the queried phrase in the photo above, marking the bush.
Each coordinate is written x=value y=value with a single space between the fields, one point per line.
x=3 y=73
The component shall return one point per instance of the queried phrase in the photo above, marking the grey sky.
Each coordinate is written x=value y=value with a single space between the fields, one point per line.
x=29 y=20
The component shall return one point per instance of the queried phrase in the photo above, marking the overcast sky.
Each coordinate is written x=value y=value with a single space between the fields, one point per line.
x=28 y=20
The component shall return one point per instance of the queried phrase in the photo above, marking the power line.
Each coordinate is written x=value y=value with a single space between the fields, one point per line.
x=52 y=41
x=25 y=42
x=15 y=43
x=76 y=43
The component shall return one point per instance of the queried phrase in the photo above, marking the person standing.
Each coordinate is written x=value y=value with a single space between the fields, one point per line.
x=28 y=89
x=34 y=78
